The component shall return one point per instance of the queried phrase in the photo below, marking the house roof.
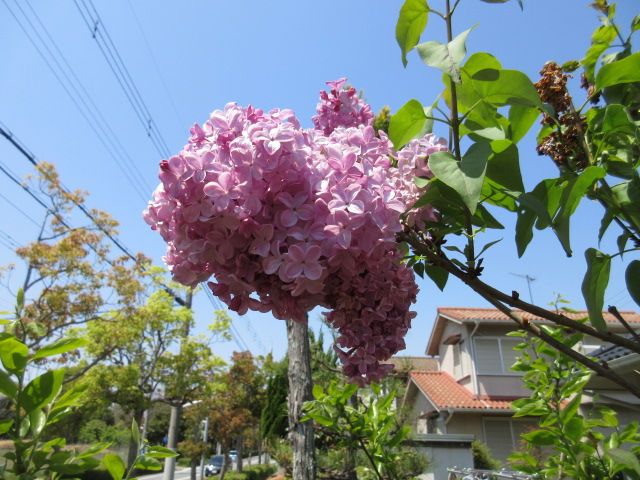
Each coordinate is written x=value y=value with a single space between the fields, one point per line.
x=408 y=363
x=493 y=316
x=463 y=314
x=445 y=393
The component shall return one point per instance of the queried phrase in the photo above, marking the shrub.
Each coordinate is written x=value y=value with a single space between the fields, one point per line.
x=255 y=472
x=280 y=451
x=96 y=430
x=482 y=457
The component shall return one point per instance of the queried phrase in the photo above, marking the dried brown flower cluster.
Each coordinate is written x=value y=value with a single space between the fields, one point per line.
x=552 y=87
x=564 y=144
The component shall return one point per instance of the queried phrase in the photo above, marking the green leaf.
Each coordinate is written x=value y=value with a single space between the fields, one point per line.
x=521 y=119
x=495 y=194
x=410 y=25
x=481 y=61
x=41 y=390
x=531 y=408
x=160 y=452
x=622 y=242
x=483 y=218
x=465 y=177
x=146 y=463
x=63 y=345
x=5 y=425
x=574 y=428
x=487 y=247
x=7 y=386
x=502 y=87
x=632 y=276
x=607 y=218
x=20 y=300
x=14 y=354
x=438 y=275
x=135 y=432
x=408 y=123
x=419 y=269
x=635 y=23
x=571 y=196
x=617 y=119
x=94 y=449
x=114 y=465
x=625 y=459
x=626 y=70
x=540 y=437
x=318 y=392
x=25 y=425
x=445 y=57
x=440 y=195
x=504 y=166
x=594 y=285
x=600 y=41
x=524 y=229
x=322 y=420
x=38 y=420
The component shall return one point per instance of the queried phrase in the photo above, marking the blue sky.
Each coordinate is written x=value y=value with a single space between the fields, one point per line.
x=189 y=58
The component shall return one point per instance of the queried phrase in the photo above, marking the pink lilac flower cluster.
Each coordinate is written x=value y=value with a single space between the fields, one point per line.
x=287 y=219
x=341 y=107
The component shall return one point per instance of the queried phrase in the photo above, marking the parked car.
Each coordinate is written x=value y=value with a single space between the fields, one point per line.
x=213 y=466
x=233 y=455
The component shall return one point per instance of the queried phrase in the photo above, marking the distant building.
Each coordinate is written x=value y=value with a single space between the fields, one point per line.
x=472 y=389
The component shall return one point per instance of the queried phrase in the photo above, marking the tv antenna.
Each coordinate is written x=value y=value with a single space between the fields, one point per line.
x=529 y=279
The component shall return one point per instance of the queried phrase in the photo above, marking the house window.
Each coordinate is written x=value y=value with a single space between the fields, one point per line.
x=495 y=355
x=457 y=366
x=502 y=435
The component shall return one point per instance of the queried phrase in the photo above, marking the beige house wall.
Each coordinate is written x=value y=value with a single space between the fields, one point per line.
x=445 y=352
x=470 y=423
x=420 y=405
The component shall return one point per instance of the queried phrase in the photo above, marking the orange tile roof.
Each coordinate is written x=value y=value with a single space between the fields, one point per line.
x=468 y=313
x=444 y=392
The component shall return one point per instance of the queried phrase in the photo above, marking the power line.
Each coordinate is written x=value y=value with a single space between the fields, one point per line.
x=100 y=34
x=8 y=238
x=31 y=158
x=95 y=121
x=155 y=61
x=24 y=214
x=93 y=116
x=215 y=302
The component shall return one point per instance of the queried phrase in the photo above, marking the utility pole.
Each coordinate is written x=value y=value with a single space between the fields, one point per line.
x=176 y=406
x=529 y=279
x=300 y=385
x=205 y=435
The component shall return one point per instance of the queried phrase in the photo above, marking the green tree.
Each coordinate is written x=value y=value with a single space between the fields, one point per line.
x=369 y=425
x=71 y=278
x=133 y=352
x=574 y=444
x=491 y=109
x=233 y=404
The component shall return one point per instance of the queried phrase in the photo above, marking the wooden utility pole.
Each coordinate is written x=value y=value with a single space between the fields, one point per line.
x=300 y=387
x=176 y=406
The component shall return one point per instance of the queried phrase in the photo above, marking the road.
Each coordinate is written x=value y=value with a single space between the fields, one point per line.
x=183 y=473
